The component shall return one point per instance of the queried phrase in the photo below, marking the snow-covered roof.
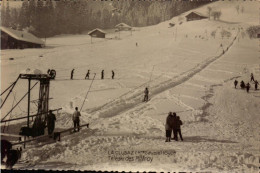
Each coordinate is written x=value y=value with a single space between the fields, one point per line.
x=198 y=13
x=97 y=29
x=122 y=25
x=21 y=35
x=31 y=71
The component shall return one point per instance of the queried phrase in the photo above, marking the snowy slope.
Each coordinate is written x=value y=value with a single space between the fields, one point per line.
x=186 y=72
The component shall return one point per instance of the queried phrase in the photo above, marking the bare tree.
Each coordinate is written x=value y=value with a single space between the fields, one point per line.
x=209 y=11
x=237 y=8
x=216 y=15
x=242 y=9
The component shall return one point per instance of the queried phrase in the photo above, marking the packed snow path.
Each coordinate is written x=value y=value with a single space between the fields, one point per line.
x=135 y=97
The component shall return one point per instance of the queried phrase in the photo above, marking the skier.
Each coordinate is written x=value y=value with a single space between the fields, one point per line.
x=178 y=128
x=87 y=75
x=75 y=118
x=174 y=124
x=113 y=74
x=252 y=77
x=247 y=87
x=71 y=74
x=146 y=93
x=168 y=127
x=242 y=84
x=51 y=122
x=235 y=83
x=102 y=74
x=256 y=84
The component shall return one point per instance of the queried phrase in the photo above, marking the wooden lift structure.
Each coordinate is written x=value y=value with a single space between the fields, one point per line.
x=39 y=124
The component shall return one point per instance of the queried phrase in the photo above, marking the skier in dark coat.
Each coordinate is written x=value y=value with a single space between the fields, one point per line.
x=71 y=74
x=178 y=128
x=256 y=84
x=102 y=74
x=247 y=87
x=168 y=127
x=242 y=84
x=51 y=118
x=87 y=75
x=113 y=74
x=252 y=77
x=174 y=124
x=146 y=93
x=235 y=83
x=75 y=118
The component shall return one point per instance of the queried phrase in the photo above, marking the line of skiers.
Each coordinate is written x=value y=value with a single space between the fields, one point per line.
x=173 y=124
x=247 y=86
x=88 y=73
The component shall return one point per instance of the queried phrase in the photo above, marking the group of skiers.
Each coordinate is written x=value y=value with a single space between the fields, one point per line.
x=88 y=73
x=51 y=118
x=173 y=124
x=247 y=86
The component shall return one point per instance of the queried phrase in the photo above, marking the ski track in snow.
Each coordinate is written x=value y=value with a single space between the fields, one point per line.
x=134 y=97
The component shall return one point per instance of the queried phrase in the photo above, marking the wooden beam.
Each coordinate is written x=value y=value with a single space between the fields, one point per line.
x=29 y=116
x=11 y=135
x=63 y=131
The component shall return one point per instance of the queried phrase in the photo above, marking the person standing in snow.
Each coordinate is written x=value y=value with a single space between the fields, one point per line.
x=168 y=127
x=252 y=77
x=51 y=118
x=113 y=74
x=102 y=74
x=242 y=84
x=178 y=128
x=247 y=87
x=235 y=83
x=71 y=74
x=87 y=75
x=146 y=93
x=256 y=84
x=75 y=118
x=174 y=125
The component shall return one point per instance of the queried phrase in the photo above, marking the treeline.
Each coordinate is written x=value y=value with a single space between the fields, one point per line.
x=49 y=18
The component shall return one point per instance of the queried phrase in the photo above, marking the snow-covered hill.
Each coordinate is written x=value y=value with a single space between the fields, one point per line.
x=186 y=72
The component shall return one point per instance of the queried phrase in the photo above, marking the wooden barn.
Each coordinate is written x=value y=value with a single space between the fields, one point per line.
x=14 y=39
x=195 y=16
x=123 y=27
x=98 y=33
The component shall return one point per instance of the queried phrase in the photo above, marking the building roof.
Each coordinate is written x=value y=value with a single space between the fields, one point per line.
x=97 y=29
x=22 y=35
x=122 y=25
x=200 y=14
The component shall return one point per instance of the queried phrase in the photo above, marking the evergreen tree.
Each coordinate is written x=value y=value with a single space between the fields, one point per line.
x=39 y=21
x=14 y=18
x=7 y=16
x=23 y=17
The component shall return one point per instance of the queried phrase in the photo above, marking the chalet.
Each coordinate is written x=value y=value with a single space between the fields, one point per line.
x=14 y=39
x=123 y=27
x=97 y=33
x=195 y=16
